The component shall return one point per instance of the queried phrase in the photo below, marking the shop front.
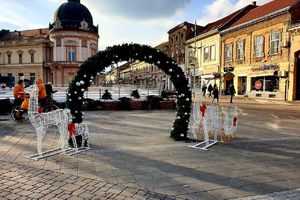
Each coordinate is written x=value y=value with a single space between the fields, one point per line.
x=265 y=82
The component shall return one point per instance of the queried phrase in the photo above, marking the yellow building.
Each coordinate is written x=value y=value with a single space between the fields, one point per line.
x=203 y=57
x=294 y=78
x=256 y=52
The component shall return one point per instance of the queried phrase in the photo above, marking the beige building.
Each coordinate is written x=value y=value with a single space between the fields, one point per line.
x=23 y=53
x=54 y=54
x=142 y=74
x=256 y=52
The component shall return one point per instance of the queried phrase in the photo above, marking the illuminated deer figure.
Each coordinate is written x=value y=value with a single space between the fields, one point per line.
x=41 y=122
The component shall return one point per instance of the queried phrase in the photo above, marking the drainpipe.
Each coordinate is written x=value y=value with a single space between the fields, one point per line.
x=287 y=81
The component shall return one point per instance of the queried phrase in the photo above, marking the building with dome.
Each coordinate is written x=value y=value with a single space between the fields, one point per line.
x=54 y=53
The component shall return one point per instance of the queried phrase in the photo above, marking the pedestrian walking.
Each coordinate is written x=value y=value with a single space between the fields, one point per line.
x=210 y=89
x=204 y=90
x=216 y=93
x=231 y=91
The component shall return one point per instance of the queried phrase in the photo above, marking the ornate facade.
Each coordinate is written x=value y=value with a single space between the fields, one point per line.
x=23 y=53
x=54 y=54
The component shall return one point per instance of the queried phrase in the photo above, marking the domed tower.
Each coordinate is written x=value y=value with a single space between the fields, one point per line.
x=74 y=39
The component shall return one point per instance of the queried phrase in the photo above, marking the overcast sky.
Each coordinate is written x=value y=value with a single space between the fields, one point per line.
x=123 y=21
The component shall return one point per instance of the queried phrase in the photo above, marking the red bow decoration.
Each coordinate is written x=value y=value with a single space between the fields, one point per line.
x=40 y=109
x=234 y=121
x=71 y=128
x=202 y=110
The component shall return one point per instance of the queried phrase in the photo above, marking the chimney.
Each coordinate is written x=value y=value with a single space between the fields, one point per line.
x=254 y=3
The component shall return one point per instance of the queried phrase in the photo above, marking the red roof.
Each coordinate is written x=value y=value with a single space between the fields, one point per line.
x=264 y=10
x=229 y=18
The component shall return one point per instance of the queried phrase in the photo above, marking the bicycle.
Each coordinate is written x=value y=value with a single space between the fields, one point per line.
x=18 y=114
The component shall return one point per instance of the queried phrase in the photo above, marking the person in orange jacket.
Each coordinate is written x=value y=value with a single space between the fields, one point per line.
x=19 y=94
x=41 y=96
x=42 y=92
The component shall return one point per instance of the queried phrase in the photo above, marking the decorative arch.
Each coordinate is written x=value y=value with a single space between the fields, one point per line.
x=128 y=52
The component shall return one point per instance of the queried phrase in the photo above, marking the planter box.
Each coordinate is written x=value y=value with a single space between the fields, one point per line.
x=167 y=105
x=5 y=106
x=136 y=105
x=110 y=105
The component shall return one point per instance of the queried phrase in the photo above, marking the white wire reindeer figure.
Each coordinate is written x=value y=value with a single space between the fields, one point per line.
x=41 y=122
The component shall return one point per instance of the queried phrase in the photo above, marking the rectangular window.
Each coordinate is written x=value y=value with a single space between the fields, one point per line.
x=213 y=52
x=206 y=54
x=190 y=57
x=20 y=58
x=71 y=54
x=274 y=43
x=32 y=57
x=83 y=43
x=32 y=77
x=9 y=59
x=259 y=46
x=228 y=52
x=240 y=50
x=58 y=42
x=265 y=83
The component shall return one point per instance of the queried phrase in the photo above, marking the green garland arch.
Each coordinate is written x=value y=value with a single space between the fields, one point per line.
x=97 y=63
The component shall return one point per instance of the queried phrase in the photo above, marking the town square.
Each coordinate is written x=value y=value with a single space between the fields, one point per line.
x=210 y=111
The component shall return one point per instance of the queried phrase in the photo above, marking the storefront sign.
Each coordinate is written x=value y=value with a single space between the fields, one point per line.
x=228 y=69
x=258 y=84
x=265 y=67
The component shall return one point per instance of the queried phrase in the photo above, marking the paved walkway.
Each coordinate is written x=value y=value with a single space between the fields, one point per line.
x=133 y=157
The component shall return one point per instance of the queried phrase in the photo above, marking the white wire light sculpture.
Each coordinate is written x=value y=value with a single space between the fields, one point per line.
x=212 y=123
x=41 y=121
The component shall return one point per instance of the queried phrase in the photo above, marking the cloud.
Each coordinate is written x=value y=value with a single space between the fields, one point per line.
x=138 y=21
x=142 y=10
x=221 y=8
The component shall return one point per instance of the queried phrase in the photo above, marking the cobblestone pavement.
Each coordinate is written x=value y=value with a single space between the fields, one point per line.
x=21 y=182
x=132 y=156
x=284 y=195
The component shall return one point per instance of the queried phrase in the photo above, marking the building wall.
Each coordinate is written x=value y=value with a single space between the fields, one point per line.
x=294 y=52
x=27 y=68
x=61 y=67
x=250 y=66
x=203 y=67
x=74 y=39
x=177 y=38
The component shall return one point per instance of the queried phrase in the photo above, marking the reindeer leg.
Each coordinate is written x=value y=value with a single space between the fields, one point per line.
x=40 y=133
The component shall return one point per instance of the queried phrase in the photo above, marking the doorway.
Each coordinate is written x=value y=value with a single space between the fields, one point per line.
x=242 y=83
x=228 y=79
